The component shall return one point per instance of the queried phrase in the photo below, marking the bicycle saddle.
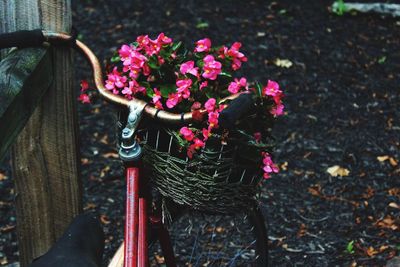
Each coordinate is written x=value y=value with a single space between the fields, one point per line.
x=81 y=245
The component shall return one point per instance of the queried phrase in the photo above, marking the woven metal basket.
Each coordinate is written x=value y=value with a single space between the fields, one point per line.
x=216 y=180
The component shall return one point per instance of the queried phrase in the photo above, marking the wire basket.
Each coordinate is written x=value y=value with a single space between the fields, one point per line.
x=217 y=180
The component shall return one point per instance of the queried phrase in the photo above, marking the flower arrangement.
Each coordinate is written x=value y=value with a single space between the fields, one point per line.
x=170 y=77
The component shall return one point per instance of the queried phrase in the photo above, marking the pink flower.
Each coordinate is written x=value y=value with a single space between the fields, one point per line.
x=197 y=143
x=84 y=85
x=162 y=39
x=206 y=134
x=146 y=70
x=188 y=67
x=277 y=110
x=128 y=90
x=211 y=67
x=257 y=136
x=186 y=133
x=115 y=80
x=234 y=87
x=272 y=89
x=210 y=104
x=84 y=98
x=213 y=119
x=269 y=165
x=203 y=45
x=237 y=57
x=203 y=84
x=157 y=99
x=183 y=87
x=173 y=100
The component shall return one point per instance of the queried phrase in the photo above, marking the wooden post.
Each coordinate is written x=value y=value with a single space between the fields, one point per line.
x=44 y=157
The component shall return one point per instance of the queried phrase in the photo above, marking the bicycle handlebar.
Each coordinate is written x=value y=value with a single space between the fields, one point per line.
x=38 y=37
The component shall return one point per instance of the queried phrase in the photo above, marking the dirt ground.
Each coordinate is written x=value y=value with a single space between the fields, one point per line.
x=342 y=102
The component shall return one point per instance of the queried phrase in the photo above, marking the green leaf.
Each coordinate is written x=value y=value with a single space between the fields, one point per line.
x=382 y=60
x=166 y=90
x=339 y=7
x=200 y=63
x=227 y=74
x=350 y=247
x=259 y=89
x=176 y=46
x=202 y=25
x=115 y=59
x=153 y=62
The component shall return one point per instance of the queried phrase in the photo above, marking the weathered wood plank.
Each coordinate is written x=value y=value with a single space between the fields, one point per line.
x=45 y=154
x=25 y=75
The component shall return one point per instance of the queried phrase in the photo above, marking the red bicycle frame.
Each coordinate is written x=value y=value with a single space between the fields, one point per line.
x=136 y=225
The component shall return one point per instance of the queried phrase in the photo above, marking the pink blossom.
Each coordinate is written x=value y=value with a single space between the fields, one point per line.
x=196 y=105
x=146 y=70
x=115 y=80
x=84 y=98
x=210 y=104
x=213 y=119
x=186 y=133
x=237 y=57
x=190 y=151
x=157 y=99
x=128 y=90
x=183 y=87
x=269 y=165
x=233 y=53
x=257 y=136
x=203 y=84
x=234 y=87
x=84 y=85
x=277 y=110
x=203 y=45
x=206 y=134
x=188 y=67
x=211 y=67
x=197 y=143
x=173 y=100
x=162 y=39
x=272 y=89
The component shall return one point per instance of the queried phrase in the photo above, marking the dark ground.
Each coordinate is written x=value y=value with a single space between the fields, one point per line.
x=342 y=99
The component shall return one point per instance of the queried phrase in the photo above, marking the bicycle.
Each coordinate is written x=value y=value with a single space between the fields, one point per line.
x=144 y=223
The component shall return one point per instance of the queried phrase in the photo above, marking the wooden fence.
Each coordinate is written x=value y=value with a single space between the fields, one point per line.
x=38 y=125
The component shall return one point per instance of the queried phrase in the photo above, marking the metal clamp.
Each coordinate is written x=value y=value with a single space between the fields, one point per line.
x=130 y=150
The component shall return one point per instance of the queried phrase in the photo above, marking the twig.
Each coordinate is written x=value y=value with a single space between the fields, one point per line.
x=311 y=220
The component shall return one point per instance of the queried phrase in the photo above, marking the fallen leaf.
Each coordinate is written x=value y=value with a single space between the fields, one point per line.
x=284 y=166
x=84 y=161
x=89 y=206
x=315 y=190
x=3 y=261
x=392 y=160
x=394 y=192
x=159 y=259
x=337 y=170
x=104 y=219
x=7 y=228
x=382 y=158
x=387 y=222
x=283 y=63
x=371 y=251
x=302 y=230
x=111 y=155
x=3 y=176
